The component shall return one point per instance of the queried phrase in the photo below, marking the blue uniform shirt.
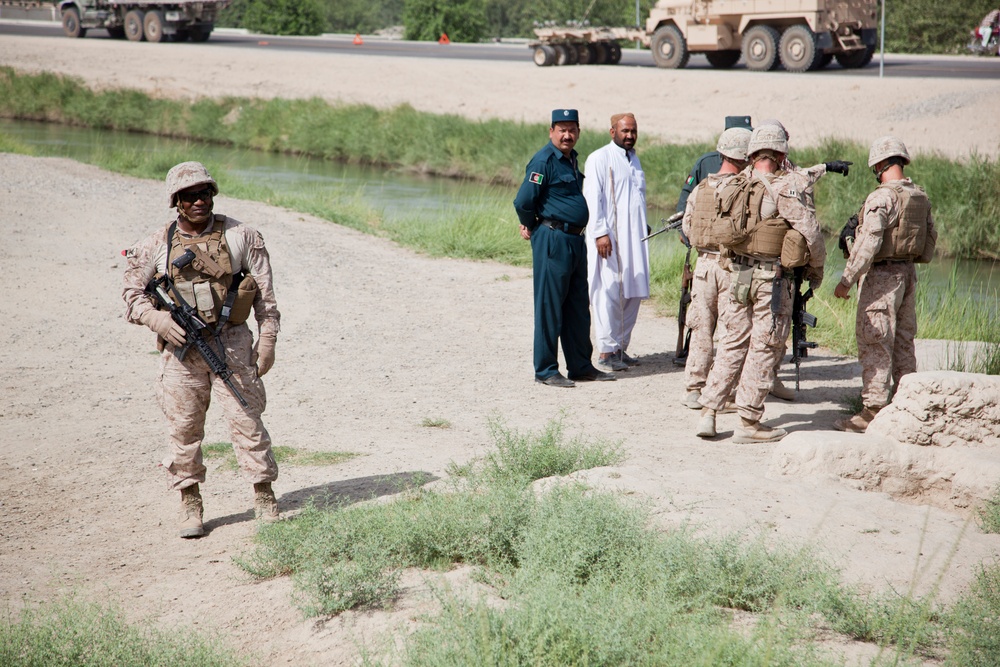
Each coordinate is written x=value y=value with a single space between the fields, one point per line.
x=709 y=163
x=552 y=189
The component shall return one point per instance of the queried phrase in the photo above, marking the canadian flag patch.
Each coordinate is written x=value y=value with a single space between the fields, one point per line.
x=535 y=178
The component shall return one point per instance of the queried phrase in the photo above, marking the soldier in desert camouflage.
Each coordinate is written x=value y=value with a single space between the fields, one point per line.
x=781 y=232
x=895 y=230
x=231 y=260
x=710 y=293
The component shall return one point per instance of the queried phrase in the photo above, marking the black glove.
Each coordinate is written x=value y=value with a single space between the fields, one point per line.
x=839 y=166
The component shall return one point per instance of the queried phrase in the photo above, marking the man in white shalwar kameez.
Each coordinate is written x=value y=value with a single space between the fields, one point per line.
x=617 y=258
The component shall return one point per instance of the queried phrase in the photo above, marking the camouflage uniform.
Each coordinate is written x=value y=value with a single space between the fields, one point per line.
x=886 y=322
x=754 y=340
x=185 y=387
x=709 y=297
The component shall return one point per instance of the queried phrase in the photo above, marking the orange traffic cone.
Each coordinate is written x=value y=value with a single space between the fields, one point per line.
x=444 y=39
x=358 y=40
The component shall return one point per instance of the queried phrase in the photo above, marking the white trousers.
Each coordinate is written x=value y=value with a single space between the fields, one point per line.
x=614 y=318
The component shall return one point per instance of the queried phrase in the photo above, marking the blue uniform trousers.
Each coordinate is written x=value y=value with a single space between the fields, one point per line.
x=562 y=302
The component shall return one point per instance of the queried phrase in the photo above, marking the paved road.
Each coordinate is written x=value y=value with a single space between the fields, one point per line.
x=895 y=65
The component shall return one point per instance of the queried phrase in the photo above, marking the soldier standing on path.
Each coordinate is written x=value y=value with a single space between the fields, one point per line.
x=896 y=229
x=709 y=163
x=779 y=231
x=617 y=259
x=553 y=214
x=710 y=293
x=224 y=258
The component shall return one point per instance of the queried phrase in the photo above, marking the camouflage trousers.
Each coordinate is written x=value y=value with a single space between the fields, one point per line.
x=709 y=297
x=751 y=345
x=885 y=327
x=184 y=391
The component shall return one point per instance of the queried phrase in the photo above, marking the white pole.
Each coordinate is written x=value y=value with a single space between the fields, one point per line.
x=637 y=24
x=881 y=62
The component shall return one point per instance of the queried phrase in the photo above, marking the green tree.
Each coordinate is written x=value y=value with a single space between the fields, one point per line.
x=364 y=16
x=281 y=17
x=932 y=26
x=461 y=20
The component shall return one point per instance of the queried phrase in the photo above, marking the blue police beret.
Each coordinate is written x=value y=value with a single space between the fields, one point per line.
x=738 y=121
x=565 y=116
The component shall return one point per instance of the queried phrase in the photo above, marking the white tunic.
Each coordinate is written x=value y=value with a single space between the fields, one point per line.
x=619 y=282
x=629 y=202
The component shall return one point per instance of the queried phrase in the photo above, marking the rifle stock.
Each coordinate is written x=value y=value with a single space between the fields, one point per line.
x=684 y=337
x=800 y=321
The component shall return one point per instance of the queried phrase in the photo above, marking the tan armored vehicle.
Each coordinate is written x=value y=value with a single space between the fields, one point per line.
x=142 y=20
x=801 y=35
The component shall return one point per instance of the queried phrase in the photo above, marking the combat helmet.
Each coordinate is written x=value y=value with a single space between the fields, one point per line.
x=886 y=147
x=733 y=143
x=768 y=137
x=187 y=175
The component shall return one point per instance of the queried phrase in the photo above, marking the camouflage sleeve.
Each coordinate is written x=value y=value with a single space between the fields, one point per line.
x=793 y=207
x=814 y=173
x=689 y=212
x=875 y=217
x=140 y=267
x=257 y=262
x=930 y=244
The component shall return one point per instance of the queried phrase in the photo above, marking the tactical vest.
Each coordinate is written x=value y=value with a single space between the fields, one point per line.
x=906 y=236
x=742 y=228
x=703 y=219
x=205 y=281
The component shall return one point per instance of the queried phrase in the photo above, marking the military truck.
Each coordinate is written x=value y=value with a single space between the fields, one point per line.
x=138 y=21
x=800 y=35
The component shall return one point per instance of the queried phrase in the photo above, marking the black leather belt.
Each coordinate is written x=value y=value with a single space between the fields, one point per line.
x=564 y=227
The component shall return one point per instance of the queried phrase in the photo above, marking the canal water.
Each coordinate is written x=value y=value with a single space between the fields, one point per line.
x=400 y=194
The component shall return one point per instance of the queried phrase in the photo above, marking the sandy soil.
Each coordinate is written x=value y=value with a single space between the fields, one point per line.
x=375 y=339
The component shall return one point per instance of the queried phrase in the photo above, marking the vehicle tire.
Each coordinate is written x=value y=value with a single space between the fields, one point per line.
x=200 y=35
x=71 y=23
x=856 y=59
x=722 y=59
x=798 y=48
x=544 y=55
x=152 y=26
x=565 y=54
x=601 y=55
x=133 y=25
x=822 y=61
x=585 y=54
x=117 y=32
x=760 y=48
x=669 y=48
x=614 y=53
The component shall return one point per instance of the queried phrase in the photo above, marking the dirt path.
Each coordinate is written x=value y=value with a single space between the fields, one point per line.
x=374 y=340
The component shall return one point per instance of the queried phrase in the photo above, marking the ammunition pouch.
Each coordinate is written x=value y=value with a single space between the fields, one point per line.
x=246 y=292
x=794 y=250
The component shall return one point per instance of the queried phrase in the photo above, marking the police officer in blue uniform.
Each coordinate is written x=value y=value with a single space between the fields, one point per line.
x=553 y=215
x=709 y=163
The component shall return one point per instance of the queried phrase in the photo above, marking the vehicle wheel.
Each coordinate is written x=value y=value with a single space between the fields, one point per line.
x=565 y=54
x=133 y=26
x=601 y=55
x=71 y=23
x=798 y=48
x=822 y=61
x=152 y=26
x=117 y=32
x=200 y=35
x=722 y=59
x=544 y=55
x=669 y=48
x=614 y=53
x=856 y=59
x=760 y=48
x=585 y=54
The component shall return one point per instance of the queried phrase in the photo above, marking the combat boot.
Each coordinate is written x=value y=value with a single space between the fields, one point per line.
x=265 y=505
x=706 y=426
x=751 y=431
x=779 y=390
x=856 y=423
x=690 y=400
x=192 y=512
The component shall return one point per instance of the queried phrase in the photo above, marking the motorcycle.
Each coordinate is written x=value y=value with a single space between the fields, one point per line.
x=985 y=47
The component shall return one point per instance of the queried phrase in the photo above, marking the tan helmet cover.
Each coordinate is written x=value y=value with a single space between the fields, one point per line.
x=886 y=147
x=733 y=143
x=769 y=137
x=186 y=175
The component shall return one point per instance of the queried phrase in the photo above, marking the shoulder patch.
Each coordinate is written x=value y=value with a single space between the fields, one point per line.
x=690 y=180
x=536 y=178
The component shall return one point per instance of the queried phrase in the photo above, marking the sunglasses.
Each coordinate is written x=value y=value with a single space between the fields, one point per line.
x=192 y=197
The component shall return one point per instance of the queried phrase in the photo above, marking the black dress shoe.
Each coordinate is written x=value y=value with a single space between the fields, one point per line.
x=596 y=376
x=556 y=380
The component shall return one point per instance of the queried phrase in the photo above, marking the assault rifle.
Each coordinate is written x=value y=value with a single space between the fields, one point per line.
x=673 y=222
x=186 y=316
x=800 y=320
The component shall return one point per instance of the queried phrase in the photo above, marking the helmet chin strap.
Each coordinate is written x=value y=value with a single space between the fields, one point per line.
x=878 y=172
x=193 y=221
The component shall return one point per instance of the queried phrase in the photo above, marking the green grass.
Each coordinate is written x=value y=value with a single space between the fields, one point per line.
x=284 y=455
x=988 y=514
x=435 y=422
x=86 y=634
